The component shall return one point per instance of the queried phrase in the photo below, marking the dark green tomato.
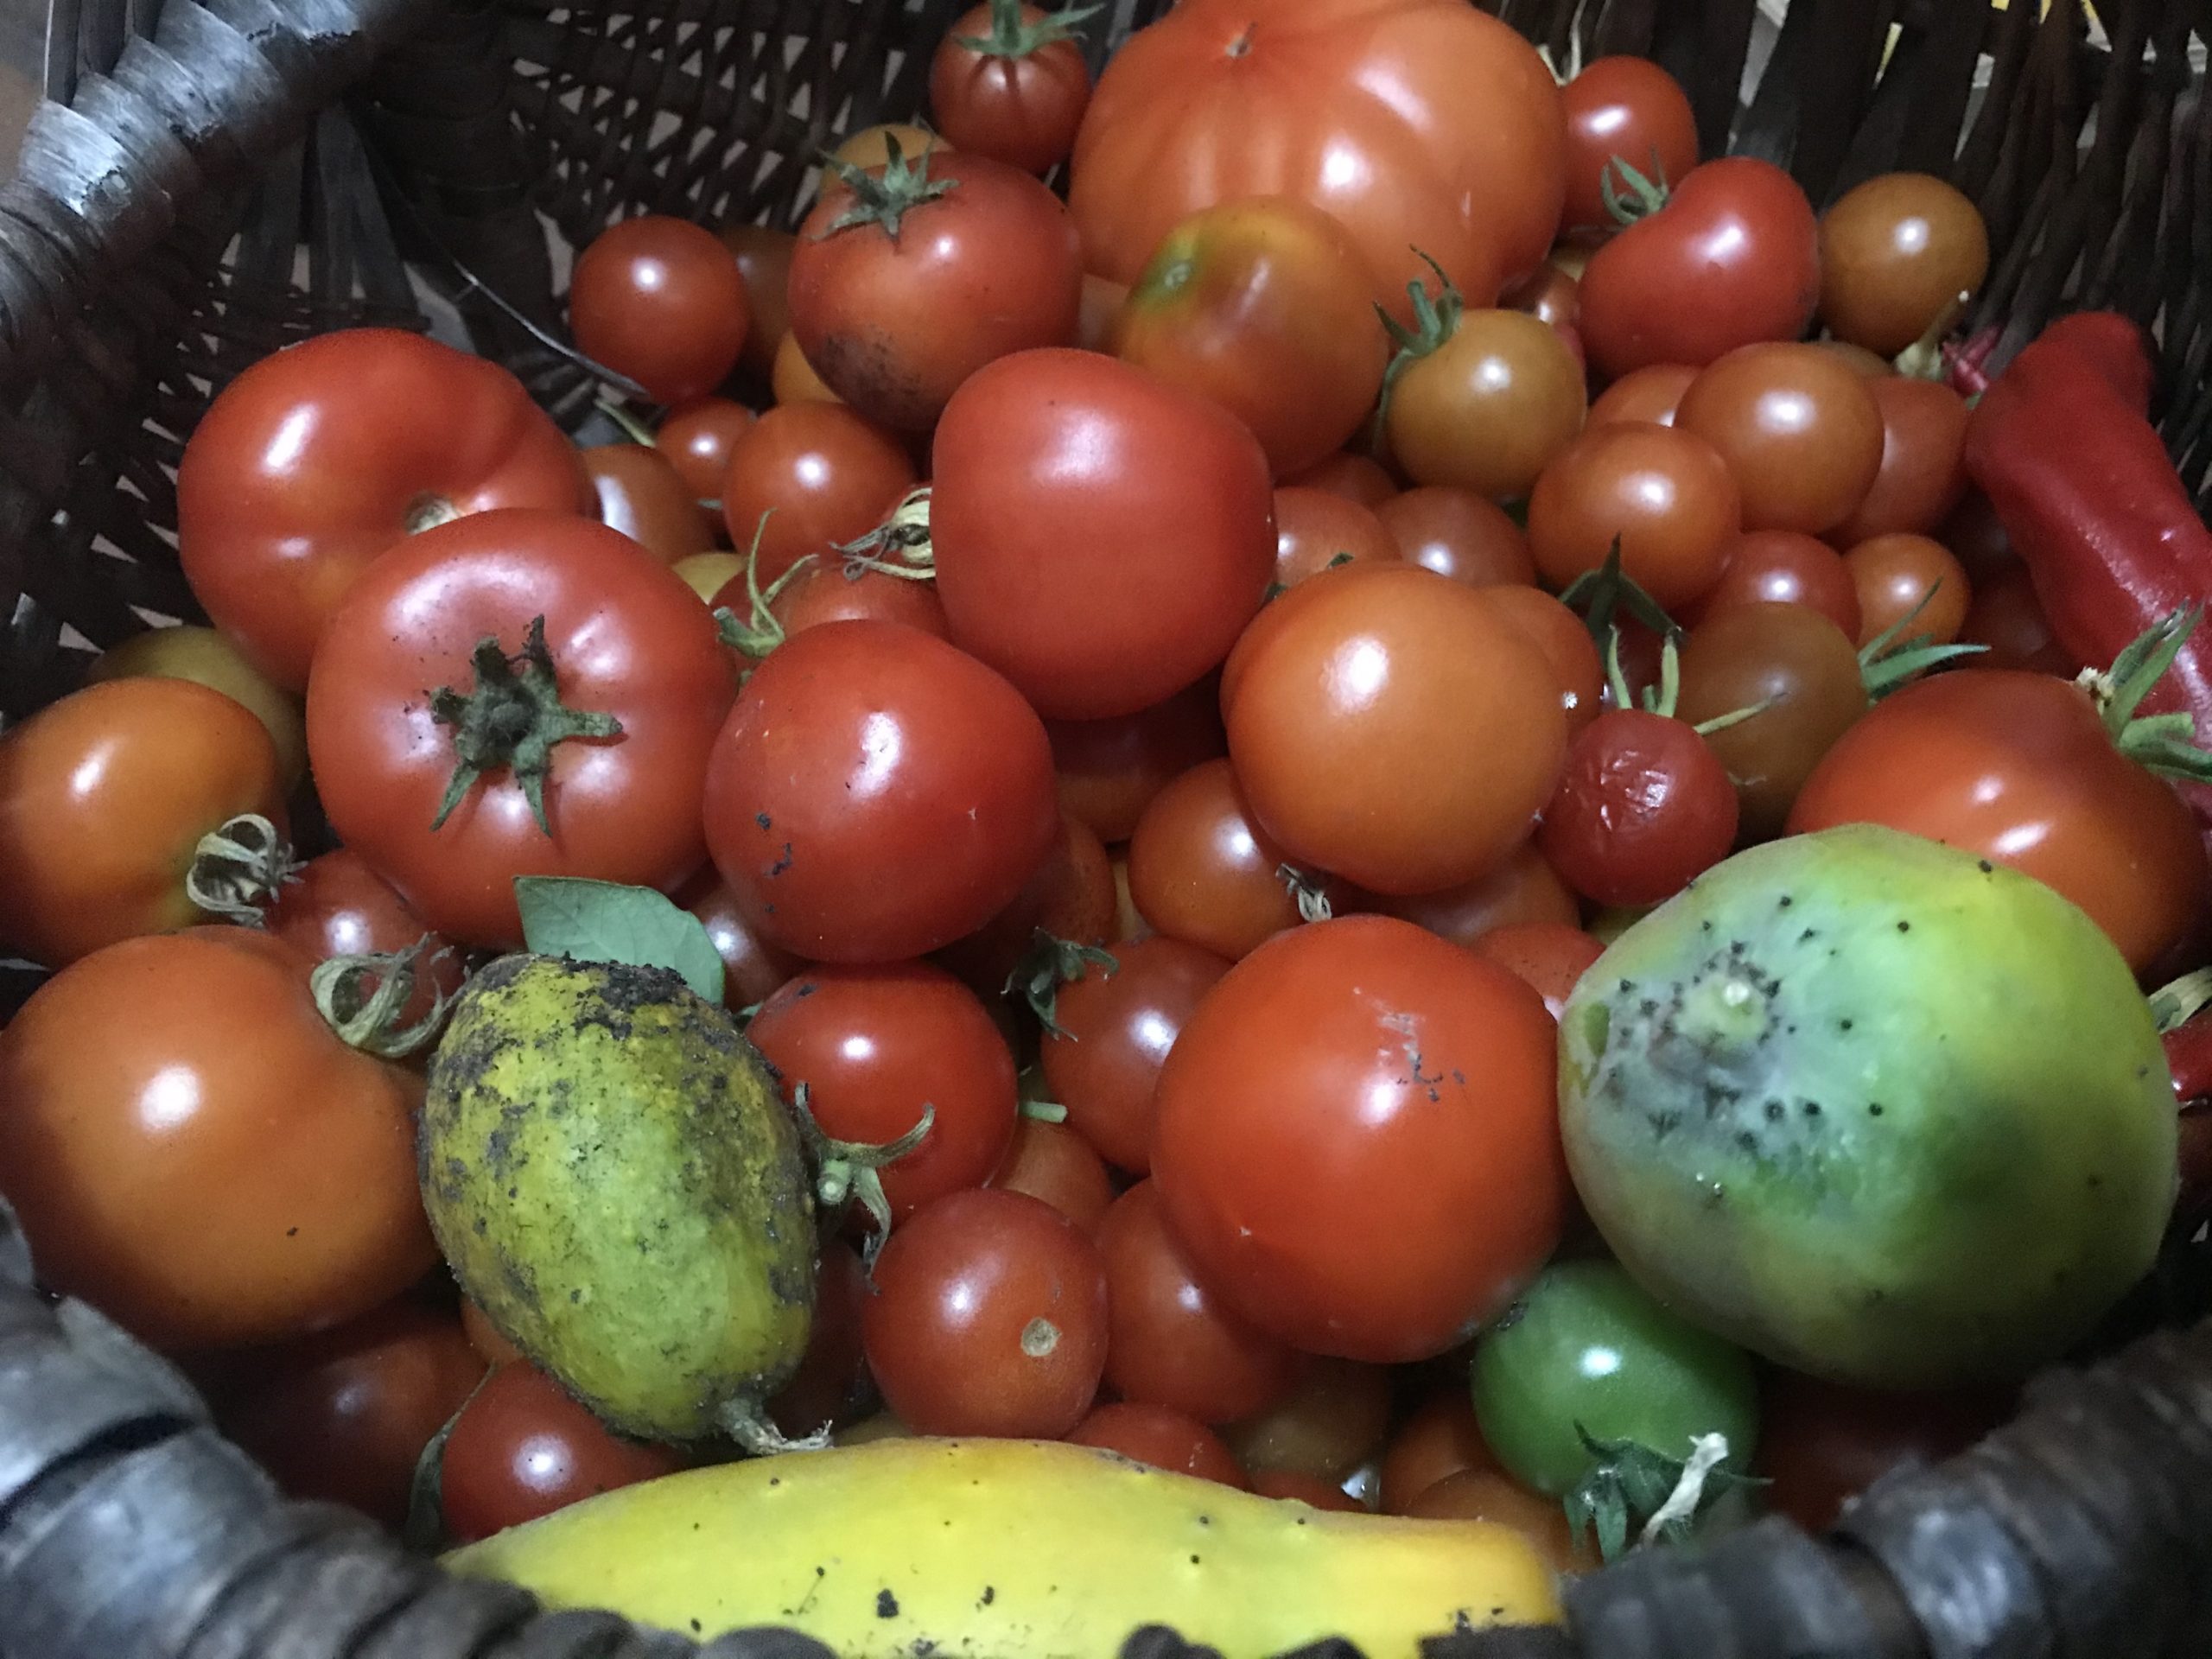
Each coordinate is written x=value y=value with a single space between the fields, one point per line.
x=1585 y=1346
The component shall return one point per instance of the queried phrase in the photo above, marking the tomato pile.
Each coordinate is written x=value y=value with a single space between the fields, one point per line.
x=1156 y=692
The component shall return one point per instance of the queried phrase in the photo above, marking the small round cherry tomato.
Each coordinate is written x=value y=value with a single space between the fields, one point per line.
x=336 y=906
x=1052 y=1162
x=1008 y=81
x=793 y=379
x=1318 y=530
x=2007 y=618
x=1489 y=407
x=1486 y=1495
x=209 y=659
x=1551 y=958
x=662 y=302
x=1896 y=575
x=1316 y=1494
x=1642 y=808
x=1438 y=1440
x=1665 y=495
x=831 y=1381
x=764 y=263
x=1115 y=1030
x=819 y=474
x=1822 y=1444
x=1460 y=534
x=1363 y=480
x=1652 y=393
x=697 y=437
x=1110 y=770
x=1164 y=1438
x=522 y=1448
x=641 y=494
x=753 y=968
x=1924 y=472
x=1332 y=1420
x=1896 y=253
x=1202 y=870
x=1070 y=898
x=989 y=1318
x=1525 y=888
x=1785 y=567
x=1799 y=431
x=1566 y=645
x=1624 y=109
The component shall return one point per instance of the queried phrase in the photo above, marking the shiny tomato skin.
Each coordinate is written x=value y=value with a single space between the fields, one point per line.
x=627 y=638
x=1022 y=111
x=336 y=906
x=1417 y=124
x=1102 y=536
x=1798 y=427
x=1550 y=957
x=2017 y=768
x=1460 y=534
x=753 y=968
x=1440 y=1440
x=319 y=457
x=1487 y=408
x=874 y=1047
x=1565 y=640
x=1652 y=393
x=210 y=658
x=1317 y=530
x=1357 y=1140
x=1896 y=253
x=1629 y=109
x=1202 y=870
x=1110 y=770
x=876 y=794
x=1665 y=494
x=1358 y=478
x=1173 y=1342
x=1053 y=1164
x=1923 y=475
x=1905 y=575
x=1163 y=1438
x=641 y=494
x=1394 y=729
x=1784 y=567
x=1265 y=306
x=697 y=437
x=1525 y=888
x=103 y=798
x=894 y=325
x=159 y=1070
x=1732 y=258
x=522 y=1448
x=1642 y=808
x=661 y=300
x=819 y=474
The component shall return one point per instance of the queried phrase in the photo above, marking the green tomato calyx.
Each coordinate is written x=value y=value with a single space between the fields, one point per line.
x=513 y=718
x=1015 y=34
x=238 y=869
x=884 y=199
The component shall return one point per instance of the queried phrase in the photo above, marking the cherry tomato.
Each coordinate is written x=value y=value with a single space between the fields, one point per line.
x=2007 y=618
x=1733 y=257
x=1798 y=664
x=1264 y=305
x=876 y=1047
x=1895 y=574
x=1652 y=393
x=209 y=659
x=868 y=147
x=753 y=968
x=344 y=1415
x=522 y=1448
x=2018 y=768
x=1489 y=407
x=823 y=590
x=1332 y=1420
x=903 y=287
x=485 y=1338
x=1924 y=472
x=1395 y=729
x=1110 y=770
x=1524 y=889
x=764 y=263
x=1070 y=897
x=1357 y=1140
x=336 y=906
x=697 y=437
x=1164 y=1438
x=1664 y=494
x=1115 y=1030
x=1102 y=536
x=1565 y=643
x=1785 y=567
x=662 y=302
x=103 y=798
x=1484 y=1495
x=1316 y=1494
x=1008 y=81
x=1363 y=480
x=1896 y=253
x=1644 y=807
x=1548 y=294
x=793 y=379
x=1203 y=871
x=831 y=1381
x=1799 y=429
x=1458 y=534
x=1550 y=957
x=319 y=457
x=641 y=494
x=1625 y=109
x=1438 y=1440
x=820 y=474
x=1317 y=530
x=989 y=1318
x=1820 y=1444
x=630 y=645
x=156 y=1074
x=1052 y=1162
x=875 y=794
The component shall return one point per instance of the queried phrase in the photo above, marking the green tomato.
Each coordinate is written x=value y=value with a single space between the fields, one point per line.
x=1585 y=1346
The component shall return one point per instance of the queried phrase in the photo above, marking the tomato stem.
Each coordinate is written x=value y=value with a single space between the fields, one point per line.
x=1013 y=36
x=884 y=199
x=1603 y=594
x=1436 y=319
x=1050 y=962
x=631 y=427
x=1637 y=195
x=513 y=718
x=1307 y=892
x=1923 y=359
x=762 y=632
x=899 y=546
x=361 y=998
x=2165 y=744
x=2175 y=1005
x=847 y=1172
x=238 y=869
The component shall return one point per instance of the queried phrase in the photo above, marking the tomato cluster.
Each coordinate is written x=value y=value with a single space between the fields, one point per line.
x=1120 y=697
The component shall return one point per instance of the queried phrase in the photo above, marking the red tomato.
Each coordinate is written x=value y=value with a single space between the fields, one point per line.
x=1116 y=1029
x=1165 y=1439
x=1332 y=1420
x=1316 y=1494
x=1173 y=1343
x=1101 y=308
x=1102 y=536
x=1458 y=534
x=344 y=1415
x=485 y=1337
x=1923 y=473
x=906 y=282
x=1565 y=640
x=876 y=794
x=2018 y=768
x=824 y=591
x=1438 y=1440
x=753 y=968
x=764 y=262
x=1008 y=81
x=336 y=906
x=1110 y=770
x=1644 y=807
x=631 y=645
x=1665 y=495
x=1652 y=393
x=1051 y=1163
x=1623 y=109
x=1265 y=306
x=1896 y=576
x=1419 y=123
x=875 y=1047
x=320 y=456
x=152 y=1076
x=1785 y=567
x=1525 y=888
x=697 y=438
x=1394 y=729
x=1820 y=1443
x=661 y=301
x=1357 y=477
x=1898 y=254
x=523 y=1449
x=820 y=476
x=1486 y=1495
x=1358 y=1140
x=1317 y=530
x=1549 y=294
x=1797 y=426
x=1070 y=898
x=989 y=1318
x=209 y=659
x=2008 y=619
x=1551 y=958
x=831 y=1381
x=1733 y=257
x=1202 y=870
x=641 y=494
x=103 y=798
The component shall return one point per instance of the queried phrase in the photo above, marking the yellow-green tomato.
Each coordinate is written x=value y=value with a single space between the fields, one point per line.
x=1489 y=407
x=208 y=658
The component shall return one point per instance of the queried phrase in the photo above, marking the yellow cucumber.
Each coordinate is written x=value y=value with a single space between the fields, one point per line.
x=1011 y=1548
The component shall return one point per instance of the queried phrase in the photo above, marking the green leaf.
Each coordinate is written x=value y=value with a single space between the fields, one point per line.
x=424 y=1531
x=605 y=921
x=1629 y=1485
x=2175 y=1005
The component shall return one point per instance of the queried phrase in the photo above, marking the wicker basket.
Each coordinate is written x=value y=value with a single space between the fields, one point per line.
x=213 y=178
